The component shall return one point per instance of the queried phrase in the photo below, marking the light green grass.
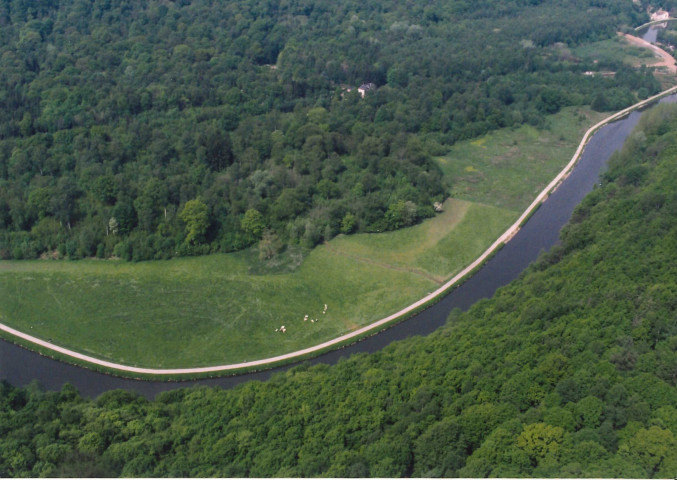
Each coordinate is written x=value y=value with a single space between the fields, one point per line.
x=615 y=49
x=212 y=310
x=197 y=311
x=439 y=248
x=209 y=310
x=508 y=168
x=618 y=49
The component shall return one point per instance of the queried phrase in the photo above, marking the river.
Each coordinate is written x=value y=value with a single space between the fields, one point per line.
x=20 y=367
x=651 y=33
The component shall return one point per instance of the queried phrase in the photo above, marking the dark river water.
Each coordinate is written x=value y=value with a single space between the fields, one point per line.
x=19 y=366
x=651 y=33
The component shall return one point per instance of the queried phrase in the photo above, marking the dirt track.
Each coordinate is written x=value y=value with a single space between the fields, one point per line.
x=667 y=60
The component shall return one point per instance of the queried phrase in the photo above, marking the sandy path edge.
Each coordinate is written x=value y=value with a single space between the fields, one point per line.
x=269 y=362
x=668 y=61
x=654 y=22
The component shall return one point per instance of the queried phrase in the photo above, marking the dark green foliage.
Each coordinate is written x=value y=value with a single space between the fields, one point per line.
x=568 y=371
x=114 y=115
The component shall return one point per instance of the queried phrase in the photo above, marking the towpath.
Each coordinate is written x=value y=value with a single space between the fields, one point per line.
x=667 y=60
x=356 y=334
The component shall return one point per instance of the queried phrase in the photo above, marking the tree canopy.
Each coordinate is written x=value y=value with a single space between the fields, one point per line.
x=569 y=371
x=115 y=115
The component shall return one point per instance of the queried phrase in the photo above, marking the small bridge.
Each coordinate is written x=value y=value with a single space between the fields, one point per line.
x=654 y=22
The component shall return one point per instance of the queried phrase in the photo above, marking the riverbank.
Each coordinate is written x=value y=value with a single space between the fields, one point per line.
x=540 y=233
x=667 y=61
x=222 y=309
x=342 y=340
x=654 y=22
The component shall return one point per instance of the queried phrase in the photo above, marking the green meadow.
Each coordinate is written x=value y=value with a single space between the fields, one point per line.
x=615 y=49
x=224 y=309
x=508 y=168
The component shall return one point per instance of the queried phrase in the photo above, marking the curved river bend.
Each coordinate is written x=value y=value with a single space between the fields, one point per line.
x=19 y=366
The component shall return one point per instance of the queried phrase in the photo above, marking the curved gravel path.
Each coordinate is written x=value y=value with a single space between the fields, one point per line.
x=667 y=60
x=269 y=362
x=654 y=22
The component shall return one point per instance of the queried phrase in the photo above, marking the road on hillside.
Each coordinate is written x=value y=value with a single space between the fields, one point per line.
x=667 y=60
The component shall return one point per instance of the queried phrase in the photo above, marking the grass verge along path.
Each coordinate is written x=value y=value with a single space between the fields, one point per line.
x=154 y=318
x=210 y=310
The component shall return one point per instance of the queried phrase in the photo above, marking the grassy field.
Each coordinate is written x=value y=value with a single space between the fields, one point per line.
x=618 y=49
x=214 y=310
x=196 y=311
x=207 y=310
x=615 y=49
x=508 y=168
x=439 y=248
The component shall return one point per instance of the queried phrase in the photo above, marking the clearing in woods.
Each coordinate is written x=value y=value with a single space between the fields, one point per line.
x=221 y=309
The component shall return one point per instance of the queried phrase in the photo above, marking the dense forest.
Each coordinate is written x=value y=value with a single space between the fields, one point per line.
x=667 y=37
x=569 y=371
x=151 y=129
x=667 y=5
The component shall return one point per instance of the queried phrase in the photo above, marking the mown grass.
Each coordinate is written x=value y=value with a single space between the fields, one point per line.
x=225 y=308
x=440 y=247
x=209 y=310
x=196 y=311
